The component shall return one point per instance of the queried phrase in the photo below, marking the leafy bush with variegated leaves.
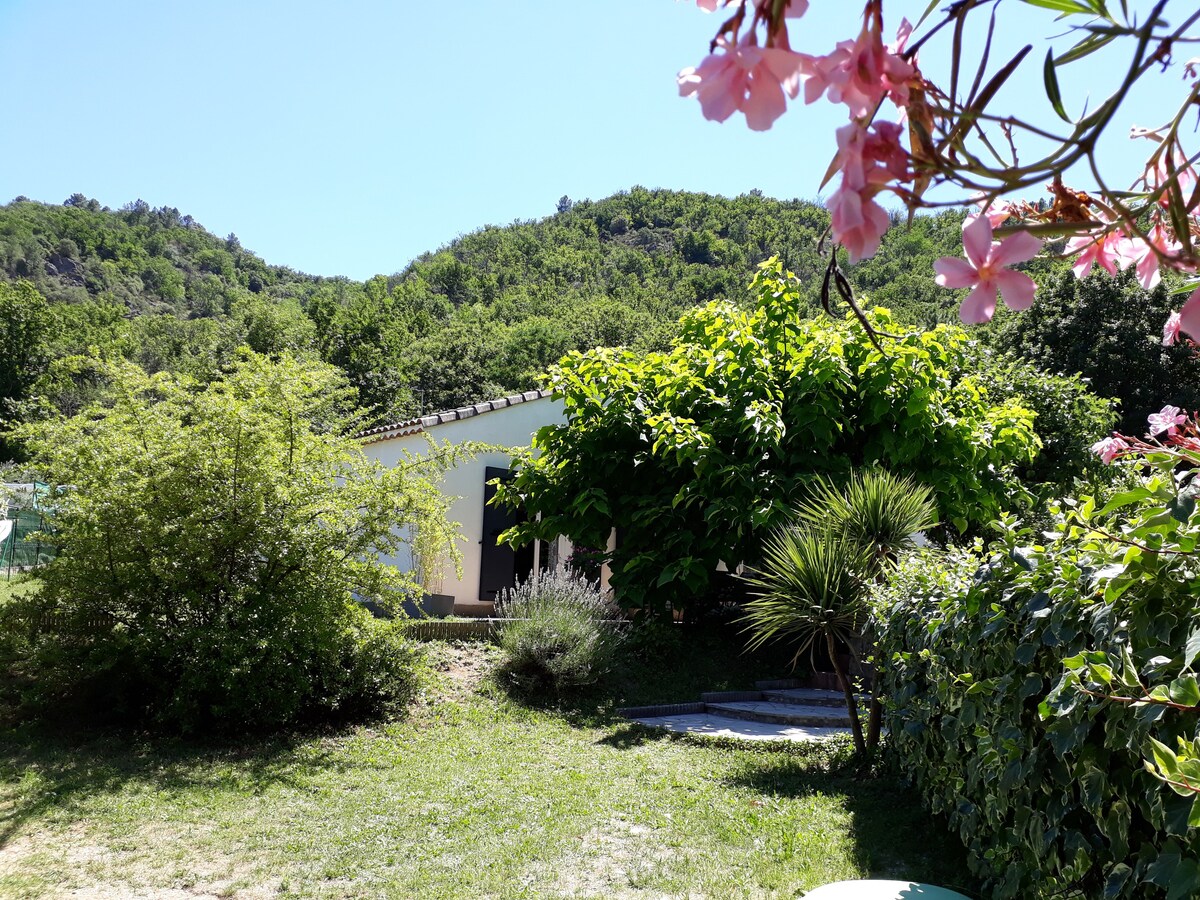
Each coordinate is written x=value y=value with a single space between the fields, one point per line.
x=1044 y=693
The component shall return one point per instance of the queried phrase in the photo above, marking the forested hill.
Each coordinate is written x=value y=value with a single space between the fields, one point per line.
x=149 y=260
x=479 y=317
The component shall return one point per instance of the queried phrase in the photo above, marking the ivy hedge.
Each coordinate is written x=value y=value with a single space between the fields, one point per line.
x=1037 y=690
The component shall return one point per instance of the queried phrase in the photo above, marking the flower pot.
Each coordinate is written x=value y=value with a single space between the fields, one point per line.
x=430 y=606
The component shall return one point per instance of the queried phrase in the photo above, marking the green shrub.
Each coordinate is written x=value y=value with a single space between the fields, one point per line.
x=651 y=638
x=1028 y=686
x=213 y=538
x=378 y=675
x=560 y=634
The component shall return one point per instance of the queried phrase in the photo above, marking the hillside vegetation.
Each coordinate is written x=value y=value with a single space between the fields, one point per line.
x=483 y=316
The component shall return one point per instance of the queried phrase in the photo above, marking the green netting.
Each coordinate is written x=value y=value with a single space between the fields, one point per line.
x=23 y=529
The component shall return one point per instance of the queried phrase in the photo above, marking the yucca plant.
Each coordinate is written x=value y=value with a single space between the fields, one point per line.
x=811 y=588
x=812 y=584
x=884 y=512
x=881 y=510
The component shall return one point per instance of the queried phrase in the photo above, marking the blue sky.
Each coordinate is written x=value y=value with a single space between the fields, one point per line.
x=346 y=138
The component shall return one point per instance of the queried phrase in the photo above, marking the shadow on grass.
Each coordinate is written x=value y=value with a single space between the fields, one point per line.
x=833 y=755
x=46 y=767
x=894 y=836
x=696 y=658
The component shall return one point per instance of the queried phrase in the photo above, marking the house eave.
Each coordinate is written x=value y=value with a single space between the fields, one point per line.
x=422 y=423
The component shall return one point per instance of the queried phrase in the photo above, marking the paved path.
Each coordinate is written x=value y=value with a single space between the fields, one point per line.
x=769 y=714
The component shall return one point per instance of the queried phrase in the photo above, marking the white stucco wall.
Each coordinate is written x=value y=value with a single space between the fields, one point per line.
x=510 y=426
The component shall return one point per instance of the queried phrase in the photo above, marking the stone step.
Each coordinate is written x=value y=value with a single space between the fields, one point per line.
x=729 y=696
x=777 y=713
x=779 y=684
x=805 y=697
x=720 y=726
x=801 y=696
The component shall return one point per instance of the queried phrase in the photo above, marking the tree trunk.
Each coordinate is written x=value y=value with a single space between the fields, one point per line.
x=874 y=723
x=851 y=700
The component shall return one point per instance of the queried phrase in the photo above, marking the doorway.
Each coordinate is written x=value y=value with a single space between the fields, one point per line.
x=501 y=567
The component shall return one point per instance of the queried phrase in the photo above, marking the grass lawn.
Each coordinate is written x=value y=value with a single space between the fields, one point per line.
x=472 y=796
x=17 y=585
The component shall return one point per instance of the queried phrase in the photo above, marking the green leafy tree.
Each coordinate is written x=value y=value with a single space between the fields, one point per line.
x=1109 y=331
x=695 y=453
x=213 y=538
x=1068 y=418
x=25 y=323
x=454 y=366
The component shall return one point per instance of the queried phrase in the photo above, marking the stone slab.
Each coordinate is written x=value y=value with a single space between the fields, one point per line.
x=882 y=890
x=778 y=684
x=743 y=729
x=807 y=696
x=729 y=696
x=781 y=713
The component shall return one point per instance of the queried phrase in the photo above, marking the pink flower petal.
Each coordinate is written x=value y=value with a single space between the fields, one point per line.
x=1016 y=248
x=953 y=272
x=977 y=240
x=1147 y=272
x=980 y=305
x=1171 y=330
x=765 y=102
x=845 y=211
x=1140 y=254
x=1017 y=288
x=1109 y=448
x=786 y=67
x=872 y=232
x=1083 y=265
x=1189 y=316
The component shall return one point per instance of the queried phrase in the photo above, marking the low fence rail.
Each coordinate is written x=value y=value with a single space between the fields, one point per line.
x=417 y=629
x=452 y=629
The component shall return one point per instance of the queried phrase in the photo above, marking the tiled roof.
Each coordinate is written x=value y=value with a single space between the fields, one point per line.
x=420 y=423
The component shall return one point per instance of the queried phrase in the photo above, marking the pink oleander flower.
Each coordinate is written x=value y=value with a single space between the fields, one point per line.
x=1107 y=250
x=795 y=9
x=1140 y=253
x=708 y=5
x=870 y=158
x=871 y=155
x=1110 y=448
x=857 y=222
x=986 y=272
x=996 y=213
x=1171 y=330
x=1167 y=419
x=861 y=72
x=745 y=77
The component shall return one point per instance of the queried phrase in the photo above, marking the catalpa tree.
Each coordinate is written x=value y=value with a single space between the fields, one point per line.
x=910 y=130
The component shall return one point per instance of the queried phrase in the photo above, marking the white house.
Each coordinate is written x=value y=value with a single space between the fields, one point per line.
x=507 y=422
